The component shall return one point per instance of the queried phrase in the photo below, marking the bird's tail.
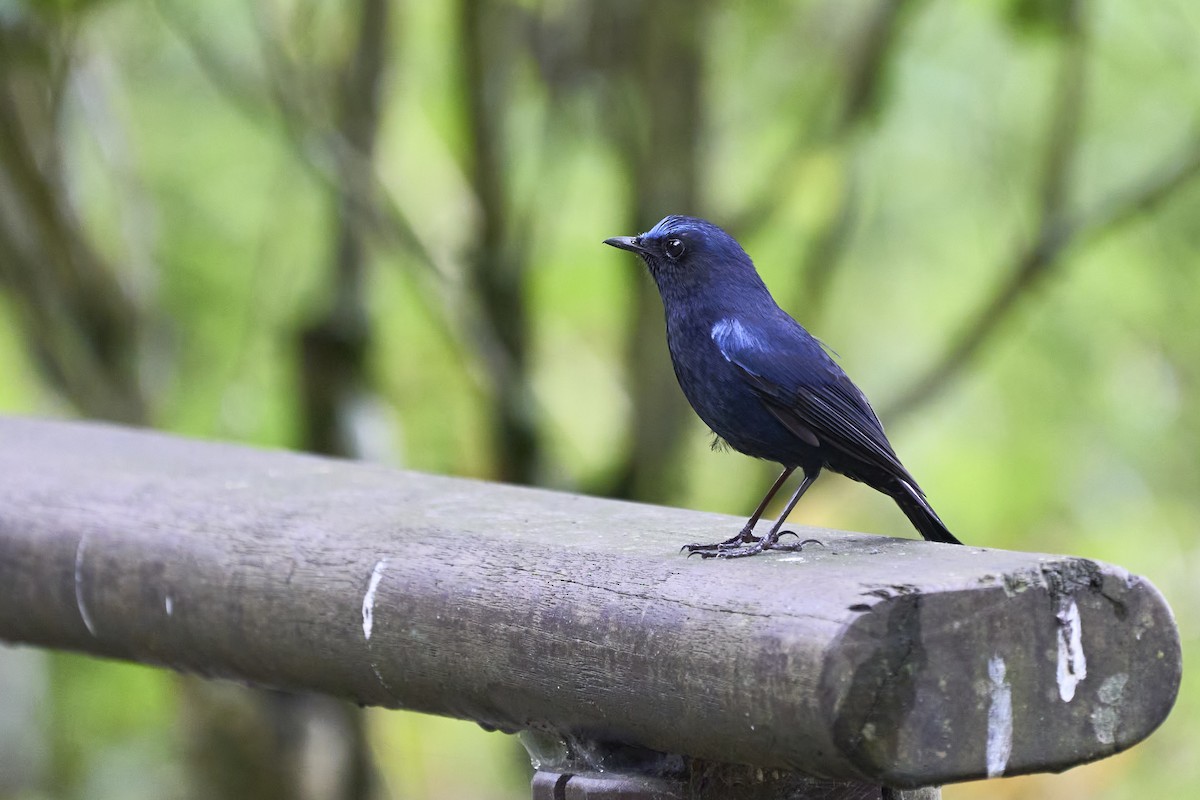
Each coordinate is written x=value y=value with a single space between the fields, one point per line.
x=914 y=505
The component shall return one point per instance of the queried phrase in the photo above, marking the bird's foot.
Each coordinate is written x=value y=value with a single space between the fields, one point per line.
x=744 y=537
x=751 y=548
x=736 y=551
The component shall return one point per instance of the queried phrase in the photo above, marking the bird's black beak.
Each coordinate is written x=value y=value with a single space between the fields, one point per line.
x=631 y=243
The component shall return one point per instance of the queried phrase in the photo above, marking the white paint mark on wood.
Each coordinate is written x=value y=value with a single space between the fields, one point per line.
x=83 y=610
x=368 y=619
x=1000 y=718
x=1107 y=715
x=170 y=605
x=1072 y=663
x=368 y=603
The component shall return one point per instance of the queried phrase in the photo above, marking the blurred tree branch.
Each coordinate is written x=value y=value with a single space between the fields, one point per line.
x=863 y=100
x=81 y=322
x=1057 y=228
x=464 y=303
x=859 y=96
x=1034 y=262
x=860 y=100
x=318 y=149
x=870 y=63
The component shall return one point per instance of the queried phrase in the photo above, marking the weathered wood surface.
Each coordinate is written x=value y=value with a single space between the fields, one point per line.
x=892 y=661
x=708 y=781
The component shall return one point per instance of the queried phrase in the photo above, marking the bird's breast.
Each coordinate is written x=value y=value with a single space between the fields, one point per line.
x=719 y=393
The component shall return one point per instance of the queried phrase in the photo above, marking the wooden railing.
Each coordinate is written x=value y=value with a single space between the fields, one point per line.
x=864 y=663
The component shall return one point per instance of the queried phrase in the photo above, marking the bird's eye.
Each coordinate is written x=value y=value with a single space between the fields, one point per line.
x=673 y=248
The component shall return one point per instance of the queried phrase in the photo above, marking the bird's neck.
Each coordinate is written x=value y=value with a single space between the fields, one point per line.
x=706 y=301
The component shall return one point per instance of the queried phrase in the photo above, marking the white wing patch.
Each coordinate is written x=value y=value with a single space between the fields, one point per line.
x=731 y=336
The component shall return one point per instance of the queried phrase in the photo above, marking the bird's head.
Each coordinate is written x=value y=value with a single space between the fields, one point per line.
x=683 y=252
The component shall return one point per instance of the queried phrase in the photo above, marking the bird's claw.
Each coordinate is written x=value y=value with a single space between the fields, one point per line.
x=706 y=549
x=738 y=549
x=742 y=539
x=799 y=545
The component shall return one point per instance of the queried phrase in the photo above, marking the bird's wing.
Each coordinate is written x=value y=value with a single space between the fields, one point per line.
x=807 y=391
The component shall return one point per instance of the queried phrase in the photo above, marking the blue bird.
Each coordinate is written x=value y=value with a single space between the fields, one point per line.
x=761 y=382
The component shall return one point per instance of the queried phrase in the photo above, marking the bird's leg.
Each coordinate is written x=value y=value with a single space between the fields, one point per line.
x=772 y=537
x=746 y=535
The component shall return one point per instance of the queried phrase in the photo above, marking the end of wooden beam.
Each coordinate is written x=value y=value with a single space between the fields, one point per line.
x=1035 y=669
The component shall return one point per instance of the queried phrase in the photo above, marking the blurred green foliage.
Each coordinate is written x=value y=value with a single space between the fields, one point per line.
x=893 y=167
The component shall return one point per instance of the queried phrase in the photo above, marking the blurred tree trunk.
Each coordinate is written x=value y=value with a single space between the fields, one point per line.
x=330 y=758
x=490 y=42
x=266 y=745
x=333 y=348
x=660 y=154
